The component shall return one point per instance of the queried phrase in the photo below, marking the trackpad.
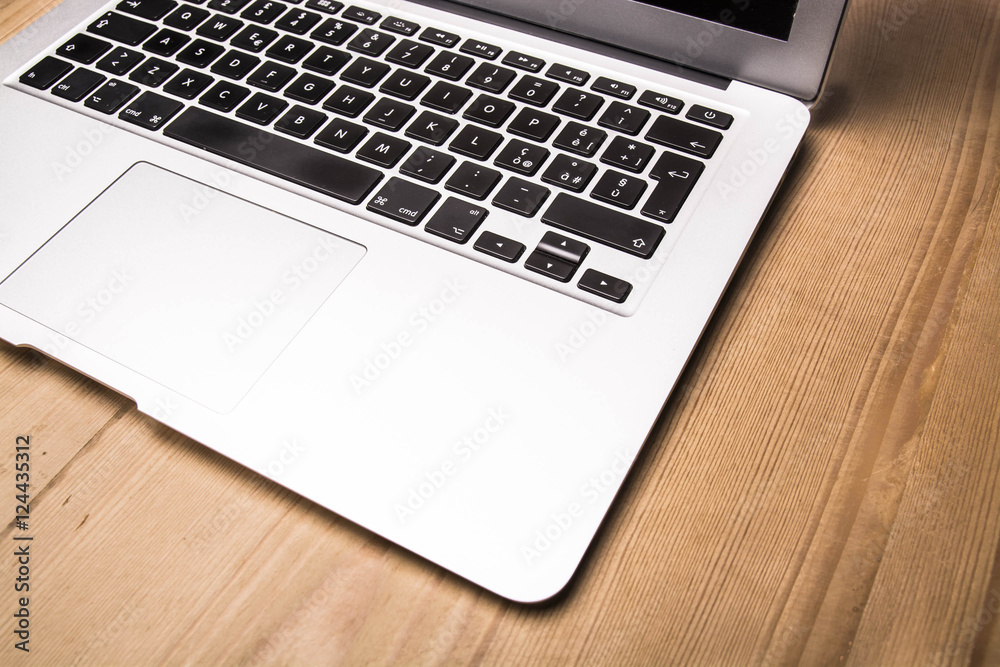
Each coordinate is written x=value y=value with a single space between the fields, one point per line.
x=195 y=289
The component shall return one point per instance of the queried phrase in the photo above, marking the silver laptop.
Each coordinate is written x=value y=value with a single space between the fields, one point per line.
x=435 y=266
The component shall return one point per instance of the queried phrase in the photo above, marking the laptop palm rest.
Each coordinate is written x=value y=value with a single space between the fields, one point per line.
x=193 y=288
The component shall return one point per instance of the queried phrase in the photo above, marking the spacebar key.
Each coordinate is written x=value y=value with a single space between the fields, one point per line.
x=330 y=174
x=632 y=235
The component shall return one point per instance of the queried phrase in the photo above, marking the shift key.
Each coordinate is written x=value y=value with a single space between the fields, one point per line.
x=618 y=230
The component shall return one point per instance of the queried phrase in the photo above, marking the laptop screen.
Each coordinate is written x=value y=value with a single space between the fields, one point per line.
x=771 y=18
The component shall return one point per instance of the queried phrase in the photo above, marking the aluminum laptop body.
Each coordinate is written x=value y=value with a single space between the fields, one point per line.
x=474 y=410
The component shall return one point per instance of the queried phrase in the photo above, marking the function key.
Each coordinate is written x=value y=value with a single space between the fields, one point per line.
x=523 y=61
x=440 y=37
x=154 y=10
x=711 y=117
x=605 y=85
x=604 y=285
x=481 y=49
x=568 y=74
x=661 y=102
x=83 y=48
x=393 y=24
x=362 y=15
x=122 y=28
x=498 y=246
x=325 y=6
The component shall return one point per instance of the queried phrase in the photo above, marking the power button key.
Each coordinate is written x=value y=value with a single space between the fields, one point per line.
x=711 y=117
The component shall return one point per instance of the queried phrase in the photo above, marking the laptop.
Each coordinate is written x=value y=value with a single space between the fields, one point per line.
x=435 y=266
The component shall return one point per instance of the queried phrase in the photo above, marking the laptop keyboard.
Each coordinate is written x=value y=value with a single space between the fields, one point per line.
x=418 y=125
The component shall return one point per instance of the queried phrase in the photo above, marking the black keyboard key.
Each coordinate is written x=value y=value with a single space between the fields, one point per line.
x=605 y=85
x=446 y=97
x=619 y=189
x=150 y=110
x=521 y=197
x=341 y=135
x=235 y=64
x=481 y=49
x=45 y=72
x=348 y=101
x=523 y=61
x=112 y=96
x=403 y=201
x=219 y=27
x=286 y=158
x=489 y=111
x=456 y=220
x=271 y=76
x=309 y=88
x=595 y=221
x=228 y=6
x=578 y=104
x=490 y=77
x=78 y=84
x=563 y=247
x=383 y=150
x=476 y=142
x=409 y=53
x=166 y=42
x=661 y=102
x=524 y=158
x=624 y=118
x=473 y=180
x=325 y=6
x=677 y=176
x=254 y=38
x=628 y=154
x=432 y=128
x=261 y=108
x=153 y=10
x=200 y=53
x=603 y=285
x=450 y=66
x=298 y=22
x=289 y=49
x=263 y=11
x=684 y=137
x=300 y=122
x=498 y=246
x=186 y=17
x=569 y=172
x=708 y=116
x=124 y=29
x=533 y=124
x=580 y=139
x=440 y=37
x=326 y=61
x=362 y=15
x=153 y=72
x=568 y=74
x=119 y=61
x=224 y=96
x=83 y=48
x=364 y=72
x=534 y=91
x=334 y=32
x=405 y=85
x=400 y=26
x=188 y=84
x=550 y=266
x=389 y=114
x=427 y=164
x=371 y=42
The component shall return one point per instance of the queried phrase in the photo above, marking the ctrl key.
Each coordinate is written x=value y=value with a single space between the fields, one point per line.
x=110 y=97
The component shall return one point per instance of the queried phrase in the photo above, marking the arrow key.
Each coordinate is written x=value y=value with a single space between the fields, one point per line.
x=498 y=246
x=563 y=247
x=550 y=266
x=456 y=220
x=604 y=285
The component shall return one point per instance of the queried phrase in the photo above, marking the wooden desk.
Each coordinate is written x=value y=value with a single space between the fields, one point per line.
x=823 y=487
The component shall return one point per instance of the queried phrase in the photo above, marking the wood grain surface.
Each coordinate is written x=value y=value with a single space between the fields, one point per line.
x=822 y=488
